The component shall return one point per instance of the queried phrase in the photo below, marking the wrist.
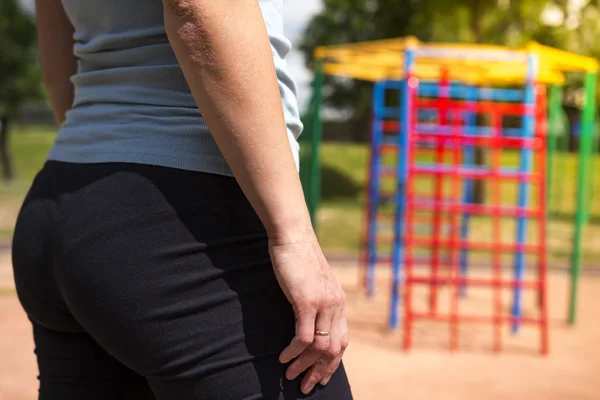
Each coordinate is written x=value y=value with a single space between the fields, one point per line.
x=290 y=229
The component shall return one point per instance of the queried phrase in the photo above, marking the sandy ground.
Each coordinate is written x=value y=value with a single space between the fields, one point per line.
x=379 y=369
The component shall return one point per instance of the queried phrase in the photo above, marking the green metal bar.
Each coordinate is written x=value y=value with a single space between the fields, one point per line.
x=306 y=152
x=314 y=192
x=593 y=173
x=585 y=143
x=554 y=108
x=561 y=167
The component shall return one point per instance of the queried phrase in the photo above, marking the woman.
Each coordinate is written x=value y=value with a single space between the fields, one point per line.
x=147 y=270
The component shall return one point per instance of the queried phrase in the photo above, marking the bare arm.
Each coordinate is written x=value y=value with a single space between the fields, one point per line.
x=55 y=38
x=224 y=51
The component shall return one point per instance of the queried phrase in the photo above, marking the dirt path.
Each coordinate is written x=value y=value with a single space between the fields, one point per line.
x=380 y=370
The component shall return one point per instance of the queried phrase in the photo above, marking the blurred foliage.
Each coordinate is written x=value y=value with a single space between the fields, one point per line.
x=556 y=23
x=19 y=68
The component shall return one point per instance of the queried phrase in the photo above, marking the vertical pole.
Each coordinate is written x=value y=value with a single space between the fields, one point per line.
x=402 y=173
x=554 y=109
x=559 y=173
x=593 y=173
x=314 y=192
x=453 y=242
x=410 y=140
x=444 y=98
x=373 y=199
x=306 y=158
x=588 y=125
x=469 y=158
x=523 y=193
x=367 y=212
x=541 y=147
x=496 y=227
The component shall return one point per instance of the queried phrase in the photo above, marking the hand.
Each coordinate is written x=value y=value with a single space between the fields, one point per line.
x=319 y=304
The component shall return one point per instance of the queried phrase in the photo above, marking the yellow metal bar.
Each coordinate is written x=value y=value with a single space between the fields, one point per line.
x=396 y=45
x=563 y=60
x=384 y=59
x=429 y=72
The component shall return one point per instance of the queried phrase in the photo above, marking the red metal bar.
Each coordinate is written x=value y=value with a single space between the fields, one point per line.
x=497 y=230
x=476 y=319
x=440 y=206
x=517 y=109
x=473 y=245
x=476 y=209
x=438 y=185
x=410 y=211
x=475 y=174
x=455 y=236
x=507 y=142
x=478 y=282
x=390 y=126
x=542 y=225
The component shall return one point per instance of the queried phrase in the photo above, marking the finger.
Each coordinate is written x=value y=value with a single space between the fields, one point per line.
x=315 y=374
x=305 y=333
x=319 y=345
x=331 y=368
x=342 y=337
x=320 y=369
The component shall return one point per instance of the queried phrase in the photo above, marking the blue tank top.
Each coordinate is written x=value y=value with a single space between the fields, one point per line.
x=132 y=103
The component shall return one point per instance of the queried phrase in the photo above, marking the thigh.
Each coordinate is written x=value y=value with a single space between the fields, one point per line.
x=72 y=367
x=180 y=291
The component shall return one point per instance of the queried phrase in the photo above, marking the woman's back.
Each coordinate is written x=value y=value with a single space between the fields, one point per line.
x=144 y=281
x=132 y=102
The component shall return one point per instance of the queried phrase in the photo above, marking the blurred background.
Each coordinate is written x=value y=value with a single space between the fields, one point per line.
x=377 y=366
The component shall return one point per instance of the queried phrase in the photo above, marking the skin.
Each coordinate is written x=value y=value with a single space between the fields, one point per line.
x=223 y=49
x=55 y=42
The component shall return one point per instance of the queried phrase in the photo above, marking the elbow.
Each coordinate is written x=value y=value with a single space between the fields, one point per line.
x=180 y=9
x=60 y=79
x=193 y=34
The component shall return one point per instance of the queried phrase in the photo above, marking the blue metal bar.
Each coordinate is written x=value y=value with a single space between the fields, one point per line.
x=386 y=112
x=461 y=91
x=377 y=136
x=406 y=107
x=397 y=84
x=525 y=166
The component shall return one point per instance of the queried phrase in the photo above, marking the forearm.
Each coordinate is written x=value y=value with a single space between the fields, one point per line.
x=55 y=41
x=224 y=52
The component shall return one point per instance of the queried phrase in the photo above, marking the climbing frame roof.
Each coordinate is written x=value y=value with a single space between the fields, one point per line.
x=472 y=63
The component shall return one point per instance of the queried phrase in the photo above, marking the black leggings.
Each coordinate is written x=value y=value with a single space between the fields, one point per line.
x=146 y=282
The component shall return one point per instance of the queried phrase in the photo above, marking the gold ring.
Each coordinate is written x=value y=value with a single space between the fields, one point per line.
x=321 y=333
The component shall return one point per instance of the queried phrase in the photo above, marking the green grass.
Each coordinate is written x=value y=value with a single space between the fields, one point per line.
x=30 y=148
x=343 y=190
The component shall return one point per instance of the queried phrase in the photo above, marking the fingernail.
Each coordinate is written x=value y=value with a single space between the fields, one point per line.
x=290 y=375
x=307 y=388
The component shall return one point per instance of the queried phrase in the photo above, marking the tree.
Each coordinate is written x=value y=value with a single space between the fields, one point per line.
x=511 y=22
x=347 y=21
x=19 y=73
